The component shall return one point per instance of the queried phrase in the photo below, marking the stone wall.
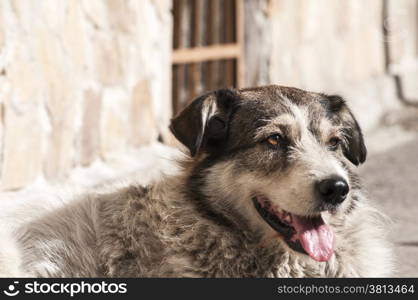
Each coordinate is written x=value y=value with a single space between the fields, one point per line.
x=80 y=80
x=353 y=47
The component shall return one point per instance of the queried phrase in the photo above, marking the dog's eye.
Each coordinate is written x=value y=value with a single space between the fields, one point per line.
x=334 y=142
x=274 y=140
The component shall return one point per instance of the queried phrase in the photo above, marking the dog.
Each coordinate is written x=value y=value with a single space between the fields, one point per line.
x=269 y=189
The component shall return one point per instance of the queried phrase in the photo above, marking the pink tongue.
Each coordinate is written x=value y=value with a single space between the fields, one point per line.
x=315 y=237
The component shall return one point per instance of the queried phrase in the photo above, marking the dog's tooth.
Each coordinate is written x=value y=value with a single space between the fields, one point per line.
x=278 y=211
x=287 y=217
x=262 y=202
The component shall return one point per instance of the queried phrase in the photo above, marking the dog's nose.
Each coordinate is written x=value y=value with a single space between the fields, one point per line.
x=333 y=190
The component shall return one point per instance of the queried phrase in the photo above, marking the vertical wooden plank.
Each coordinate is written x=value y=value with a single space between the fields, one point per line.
x=196 y=11
x=178 y=70
x=196 y=17
x=175 y=23
x=186 y=86
x=218 y=65
x=178 y=9
x=174 y=89
x=240 y=64
x=210 y=66
x=229 y=27
x=174 y=84
x=186 y=24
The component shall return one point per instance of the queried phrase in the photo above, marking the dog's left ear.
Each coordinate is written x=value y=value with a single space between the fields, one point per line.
x=355 y=149
x=204 y=121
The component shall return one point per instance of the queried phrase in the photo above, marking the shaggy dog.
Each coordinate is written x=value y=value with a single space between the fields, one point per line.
x=270 y=190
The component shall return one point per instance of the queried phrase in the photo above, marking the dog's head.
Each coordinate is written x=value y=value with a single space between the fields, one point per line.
x=279 y=157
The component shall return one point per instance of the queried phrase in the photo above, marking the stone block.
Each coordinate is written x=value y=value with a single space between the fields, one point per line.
x=143 y=126
x=121 y=16
x=75 y=36
x=60 y=147
x=108 y=60
x=96 y=13
x=114 y=121
x=22 y=148
x=90 y=127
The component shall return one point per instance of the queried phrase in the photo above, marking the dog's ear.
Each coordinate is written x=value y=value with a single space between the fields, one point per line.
x=205 y=120
x=354 y=149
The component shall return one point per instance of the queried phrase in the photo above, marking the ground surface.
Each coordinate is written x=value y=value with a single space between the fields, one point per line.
x=391 y=178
